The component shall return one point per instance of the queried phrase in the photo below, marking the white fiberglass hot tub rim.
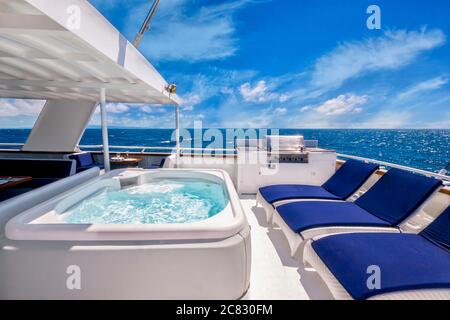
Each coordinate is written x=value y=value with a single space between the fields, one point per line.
x=229 y=222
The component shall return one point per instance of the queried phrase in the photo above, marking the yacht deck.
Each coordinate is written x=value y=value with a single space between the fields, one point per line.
x=275 y=275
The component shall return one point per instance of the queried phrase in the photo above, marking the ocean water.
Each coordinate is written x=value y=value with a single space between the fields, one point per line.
x=164 y=201
x=423 y=149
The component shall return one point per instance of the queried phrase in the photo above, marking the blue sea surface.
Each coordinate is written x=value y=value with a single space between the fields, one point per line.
x=423 y=149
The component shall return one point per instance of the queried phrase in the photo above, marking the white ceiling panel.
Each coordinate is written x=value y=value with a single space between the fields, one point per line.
x=43 y=56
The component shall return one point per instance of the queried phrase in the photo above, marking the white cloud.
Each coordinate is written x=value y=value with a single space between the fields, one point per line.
x=117 y=108
x=428 y=85
x=180 y=32
x=144 y=120
x=243 y=119
x=147 y=109
x=154 y=108
x=305 y=108
x=189 y=101
x=238 y=114
x=343 y=104
x=259 y=93
x=284 y=98
x=393 y=50
x=280 y=111
x=216 y=82
x=387 y=119
x=442 y=123
x=20 y=107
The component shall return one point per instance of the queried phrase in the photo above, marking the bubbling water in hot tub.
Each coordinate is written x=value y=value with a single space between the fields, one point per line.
x=162 y=201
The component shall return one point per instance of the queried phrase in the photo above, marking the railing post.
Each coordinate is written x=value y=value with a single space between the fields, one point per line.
x=104 y=121
x=177 y=133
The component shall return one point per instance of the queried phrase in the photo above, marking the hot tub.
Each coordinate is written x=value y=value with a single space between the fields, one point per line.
x=132 y=234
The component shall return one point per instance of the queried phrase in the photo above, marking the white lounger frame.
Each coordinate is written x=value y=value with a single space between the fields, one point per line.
x=310 y=258
x=270 y=209
x=295 y=240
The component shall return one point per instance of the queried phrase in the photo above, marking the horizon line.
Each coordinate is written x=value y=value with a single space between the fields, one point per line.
x=241 y=128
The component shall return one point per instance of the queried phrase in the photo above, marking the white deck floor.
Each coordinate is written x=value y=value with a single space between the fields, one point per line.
x=275 y=275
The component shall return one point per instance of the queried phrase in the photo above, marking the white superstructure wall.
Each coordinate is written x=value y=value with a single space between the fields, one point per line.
x=60 y=126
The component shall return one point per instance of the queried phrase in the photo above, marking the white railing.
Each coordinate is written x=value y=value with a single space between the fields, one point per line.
x=143 y=149
x=398 y=166
x=12 y=145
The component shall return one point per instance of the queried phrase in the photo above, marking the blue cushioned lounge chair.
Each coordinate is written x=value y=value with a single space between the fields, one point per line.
x=410 y=266
x=158 y=166
x=85 y=161
x=396 y=196
x=343 y=184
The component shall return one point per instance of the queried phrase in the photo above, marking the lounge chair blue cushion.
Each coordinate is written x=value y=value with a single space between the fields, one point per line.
x=157 y=166
x=397 y=195
x=439 y=231
x=406 y=262
x=340 y=186
x=350 y=176
x=85 y=161
x=292 y=191
x=300 y=216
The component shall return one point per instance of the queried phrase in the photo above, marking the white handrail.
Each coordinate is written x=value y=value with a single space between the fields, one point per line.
x=398 y=166
x=11 y=144
x=154 y=148
x=341 y=155
x=99 y=146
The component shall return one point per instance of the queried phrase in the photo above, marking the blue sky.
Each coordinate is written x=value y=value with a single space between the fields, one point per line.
x=286 y=64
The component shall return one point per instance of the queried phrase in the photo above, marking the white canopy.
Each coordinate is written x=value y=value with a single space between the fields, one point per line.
x=66 y=50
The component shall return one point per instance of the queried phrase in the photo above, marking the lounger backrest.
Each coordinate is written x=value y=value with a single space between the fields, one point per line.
x=349 y=178
x=163 y=161
x=439 y=231
x=83 y=159
x=397 y=195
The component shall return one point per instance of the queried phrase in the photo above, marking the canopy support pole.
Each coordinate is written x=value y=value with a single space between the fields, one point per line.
x=104 y=121
x=177 y=132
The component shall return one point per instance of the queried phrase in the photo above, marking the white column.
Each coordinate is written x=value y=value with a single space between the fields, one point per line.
x=104 y=130
x=177 y=132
